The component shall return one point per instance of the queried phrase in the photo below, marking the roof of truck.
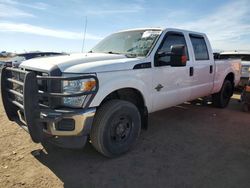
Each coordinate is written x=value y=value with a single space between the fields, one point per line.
x=161 y=29
x=142 y=29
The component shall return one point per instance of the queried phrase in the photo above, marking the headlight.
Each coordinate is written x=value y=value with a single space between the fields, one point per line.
x=75 y=86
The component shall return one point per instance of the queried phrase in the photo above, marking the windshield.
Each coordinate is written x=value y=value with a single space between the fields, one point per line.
x=136 y=43
x=243 y=57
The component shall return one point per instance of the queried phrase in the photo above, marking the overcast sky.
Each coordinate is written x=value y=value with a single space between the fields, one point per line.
x=46 y=25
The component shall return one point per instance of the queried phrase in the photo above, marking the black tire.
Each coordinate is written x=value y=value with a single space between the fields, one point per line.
x=116 y=127
x=222 y=98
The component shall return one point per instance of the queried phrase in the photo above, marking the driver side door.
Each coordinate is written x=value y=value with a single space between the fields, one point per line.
x=171 y=85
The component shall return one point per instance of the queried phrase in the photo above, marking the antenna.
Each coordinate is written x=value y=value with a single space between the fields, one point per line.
x=84 y=35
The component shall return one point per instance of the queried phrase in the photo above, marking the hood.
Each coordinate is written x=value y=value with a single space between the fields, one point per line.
x=81 y=63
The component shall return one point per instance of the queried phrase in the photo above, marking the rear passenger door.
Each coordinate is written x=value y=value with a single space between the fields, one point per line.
x=203 y=67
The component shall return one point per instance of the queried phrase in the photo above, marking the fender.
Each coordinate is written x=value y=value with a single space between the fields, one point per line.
x=135 y=79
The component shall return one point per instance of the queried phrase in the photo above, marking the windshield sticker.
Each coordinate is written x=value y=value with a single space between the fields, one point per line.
x=147 y=34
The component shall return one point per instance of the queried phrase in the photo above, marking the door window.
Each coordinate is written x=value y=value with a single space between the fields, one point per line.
x=200 y=47
x=170 y=40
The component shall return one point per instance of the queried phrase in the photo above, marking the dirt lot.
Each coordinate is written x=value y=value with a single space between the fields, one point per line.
x=185 y=146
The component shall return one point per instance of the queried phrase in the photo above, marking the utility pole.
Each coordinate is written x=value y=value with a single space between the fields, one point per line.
x=84 y=34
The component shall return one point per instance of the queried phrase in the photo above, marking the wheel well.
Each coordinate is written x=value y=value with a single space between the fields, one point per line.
x=230 y=77
x=134 y=96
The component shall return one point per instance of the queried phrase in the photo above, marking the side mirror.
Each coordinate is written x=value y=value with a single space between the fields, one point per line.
x=178 y=56
x=175 y=58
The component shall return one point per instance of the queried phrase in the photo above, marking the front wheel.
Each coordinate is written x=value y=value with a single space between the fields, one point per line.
x=116 y=127
x=222 y=98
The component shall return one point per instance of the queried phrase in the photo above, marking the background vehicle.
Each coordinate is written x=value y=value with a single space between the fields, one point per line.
x=19 y=58
x=109 y=92
x=4 y=54
x=245 y=62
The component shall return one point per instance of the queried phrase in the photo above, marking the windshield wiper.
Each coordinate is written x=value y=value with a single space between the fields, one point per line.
x=130 y=55
x=111 y=52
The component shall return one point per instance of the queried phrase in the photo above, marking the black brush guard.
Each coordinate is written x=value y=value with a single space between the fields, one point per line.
x=28 y=110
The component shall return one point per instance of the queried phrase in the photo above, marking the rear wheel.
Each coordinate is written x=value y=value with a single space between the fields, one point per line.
x=222 y=98
x=116 y=127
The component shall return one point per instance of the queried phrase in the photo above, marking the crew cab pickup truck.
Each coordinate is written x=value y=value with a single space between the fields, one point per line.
x=245 y=63
x=107 y=93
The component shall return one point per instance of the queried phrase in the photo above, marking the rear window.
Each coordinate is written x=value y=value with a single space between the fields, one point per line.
x=200 y=47
x=243 y=57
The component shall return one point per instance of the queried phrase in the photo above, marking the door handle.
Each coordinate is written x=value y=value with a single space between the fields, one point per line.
x=211 y=69
x=191 y=71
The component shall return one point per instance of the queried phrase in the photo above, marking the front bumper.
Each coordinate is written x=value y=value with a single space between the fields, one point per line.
x=63 y=123
x=23 y=101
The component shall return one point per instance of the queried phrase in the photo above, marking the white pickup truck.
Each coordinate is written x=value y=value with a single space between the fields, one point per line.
x=107 y=93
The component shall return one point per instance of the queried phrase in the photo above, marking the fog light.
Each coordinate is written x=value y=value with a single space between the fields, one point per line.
x=65 y=125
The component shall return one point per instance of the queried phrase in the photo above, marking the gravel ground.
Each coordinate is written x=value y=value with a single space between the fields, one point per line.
x=191 y=145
